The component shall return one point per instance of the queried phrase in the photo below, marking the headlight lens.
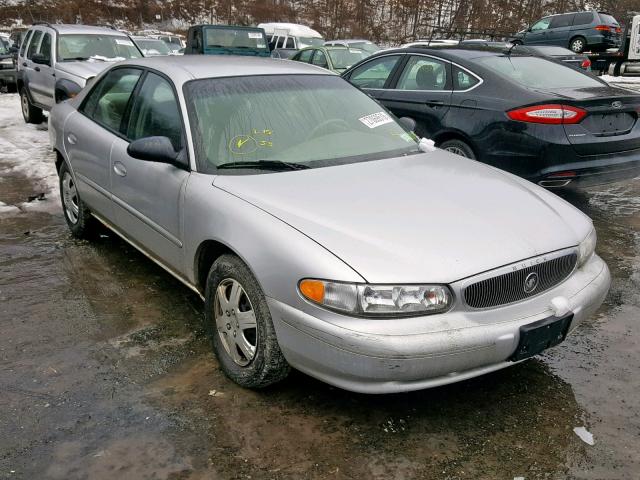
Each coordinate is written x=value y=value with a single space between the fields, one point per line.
x=377 y=300
x=587 y=247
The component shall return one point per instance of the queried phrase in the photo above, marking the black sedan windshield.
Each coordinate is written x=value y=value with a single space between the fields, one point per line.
x=300 y=120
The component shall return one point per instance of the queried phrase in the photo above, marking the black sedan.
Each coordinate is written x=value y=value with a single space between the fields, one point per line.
x=528 y=115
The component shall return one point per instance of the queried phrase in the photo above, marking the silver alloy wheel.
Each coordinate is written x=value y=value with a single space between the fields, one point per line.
x=235 y=321
x=577 y=45
x=457 y=151
x=70 y=198
x=24 y=101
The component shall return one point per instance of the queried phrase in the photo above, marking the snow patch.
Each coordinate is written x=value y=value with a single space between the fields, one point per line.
x=584 y=435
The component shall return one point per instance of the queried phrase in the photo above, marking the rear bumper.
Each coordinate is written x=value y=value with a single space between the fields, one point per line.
x=456 y=346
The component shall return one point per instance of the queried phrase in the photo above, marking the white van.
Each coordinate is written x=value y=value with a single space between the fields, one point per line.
x=291 y=35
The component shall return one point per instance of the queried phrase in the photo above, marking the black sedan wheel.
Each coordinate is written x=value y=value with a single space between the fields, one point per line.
x=459 y=148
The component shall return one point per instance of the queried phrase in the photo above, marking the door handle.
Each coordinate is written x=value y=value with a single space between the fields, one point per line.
x=119 y=169
x=24 y=64
x=72 y=139
x=37 y=69
x=435 y=103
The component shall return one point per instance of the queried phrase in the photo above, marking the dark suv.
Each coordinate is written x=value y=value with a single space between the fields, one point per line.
x=579 y=31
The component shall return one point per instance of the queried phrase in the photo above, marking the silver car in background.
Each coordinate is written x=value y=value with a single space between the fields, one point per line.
x=319 y=233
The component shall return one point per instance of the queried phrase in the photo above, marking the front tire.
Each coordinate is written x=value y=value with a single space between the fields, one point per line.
x=577 y=44
x=459 y=148
x=239 y=325
x=30 y=113
x=76 y=214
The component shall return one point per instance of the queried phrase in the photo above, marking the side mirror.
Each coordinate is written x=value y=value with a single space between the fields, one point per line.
x=13 y=49
x=40 y=59
x=408 y=123
x=156 y=149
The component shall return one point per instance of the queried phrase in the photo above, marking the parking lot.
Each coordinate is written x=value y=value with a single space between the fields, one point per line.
x=106 y=370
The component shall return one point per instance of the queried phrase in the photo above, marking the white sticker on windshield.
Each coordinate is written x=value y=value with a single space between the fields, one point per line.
x=128 y=43
x=376 y=119
x=255 y=35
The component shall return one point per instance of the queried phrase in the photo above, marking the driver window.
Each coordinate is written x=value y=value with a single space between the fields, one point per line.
x=155 y=112
x=374 y=74
x=541 y=25
x=320 y=59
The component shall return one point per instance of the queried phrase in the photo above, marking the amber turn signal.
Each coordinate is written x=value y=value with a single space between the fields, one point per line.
x=312 y=290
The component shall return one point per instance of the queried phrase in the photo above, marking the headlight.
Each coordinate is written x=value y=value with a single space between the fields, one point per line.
x=377 y=300
x=587 y=247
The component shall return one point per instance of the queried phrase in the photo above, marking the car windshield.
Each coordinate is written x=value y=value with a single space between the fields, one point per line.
x=95 y=47
x=232 y=38
x=297 y=119
x=310 y=42
x=343 y=58
x=4 y=47
x=366 y=46
x=537 y=72
x=152 y=48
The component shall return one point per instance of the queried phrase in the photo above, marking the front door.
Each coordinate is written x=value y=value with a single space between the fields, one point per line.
x=538 y=33
x=148 y=196
x=43 y=80
x=422 y=92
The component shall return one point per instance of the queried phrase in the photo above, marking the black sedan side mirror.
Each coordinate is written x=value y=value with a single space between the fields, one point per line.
x=156 y=149
x=408 y=123
x=40 y=59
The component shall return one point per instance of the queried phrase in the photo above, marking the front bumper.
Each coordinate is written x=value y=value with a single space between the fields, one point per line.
x=450 y=347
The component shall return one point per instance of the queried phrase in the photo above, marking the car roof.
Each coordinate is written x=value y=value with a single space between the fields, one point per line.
x=62 y=28
x=453 y=52
x=184 y=68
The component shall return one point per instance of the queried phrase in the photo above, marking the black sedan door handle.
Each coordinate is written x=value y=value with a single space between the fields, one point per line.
x=37 y=69
x=24 y=64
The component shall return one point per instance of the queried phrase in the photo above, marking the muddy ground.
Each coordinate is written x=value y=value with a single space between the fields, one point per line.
x=105 y=371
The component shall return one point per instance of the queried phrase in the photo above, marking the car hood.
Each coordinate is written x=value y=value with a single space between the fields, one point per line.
x=433 y=217
x=83 y=69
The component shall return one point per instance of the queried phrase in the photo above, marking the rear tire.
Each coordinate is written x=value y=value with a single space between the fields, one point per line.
x=458 y=147
x=239 y=325
x=577 y=44
x=30 y=113
x=76 y=214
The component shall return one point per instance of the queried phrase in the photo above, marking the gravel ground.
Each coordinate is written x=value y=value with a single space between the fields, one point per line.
x=105 y=371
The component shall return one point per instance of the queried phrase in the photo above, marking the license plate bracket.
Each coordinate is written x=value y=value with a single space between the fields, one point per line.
x=541 y=335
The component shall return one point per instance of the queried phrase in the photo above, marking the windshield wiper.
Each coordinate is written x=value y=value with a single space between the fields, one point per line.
x=265 y=165
x=75 y=59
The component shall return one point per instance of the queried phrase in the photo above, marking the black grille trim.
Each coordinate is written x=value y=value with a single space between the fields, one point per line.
x=509 y=287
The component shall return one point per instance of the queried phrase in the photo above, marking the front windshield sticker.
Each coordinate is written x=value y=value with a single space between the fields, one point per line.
x=128 y=43
x=376 y=119
x=246 y=144
x=255 y=34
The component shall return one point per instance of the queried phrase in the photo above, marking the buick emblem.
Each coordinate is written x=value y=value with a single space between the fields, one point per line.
x=616 y=104
x=531 y=282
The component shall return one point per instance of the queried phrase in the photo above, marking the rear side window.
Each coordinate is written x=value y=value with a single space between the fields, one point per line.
x=583 y=18
x=463 y=80
x=561 y=21
x=25 y=42
x=374 y=74
x=280 y=43
x=608 y=19
x=536 y=72
x=33 y=45
x=107 y=102
x=155 y=112
x=289 y=43
x=423 y=73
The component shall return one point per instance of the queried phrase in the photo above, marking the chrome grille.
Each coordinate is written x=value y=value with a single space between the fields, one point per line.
x=510 y=287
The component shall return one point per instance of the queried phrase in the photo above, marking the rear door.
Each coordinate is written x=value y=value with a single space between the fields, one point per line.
x=89 y=136
x=423 y=92
x=148 y=196
x=560 y=29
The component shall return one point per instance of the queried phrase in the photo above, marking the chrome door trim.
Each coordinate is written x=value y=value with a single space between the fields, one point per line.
x=93 y=185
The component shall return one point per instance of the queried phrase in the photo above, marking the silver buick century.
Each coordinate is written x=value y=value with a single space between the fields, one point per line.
x=321 y=234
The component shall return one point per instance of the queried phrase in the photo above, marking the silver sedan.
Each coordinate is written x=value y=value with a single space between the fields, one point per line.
x=320 y=233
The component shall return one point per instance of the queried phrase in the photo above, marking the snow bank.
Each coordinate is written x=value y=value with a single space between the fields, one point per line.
x=612 y=79
x=24 y=149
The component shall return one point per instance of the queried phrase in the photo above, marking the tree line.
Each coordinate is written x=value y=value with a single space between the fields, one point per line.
x=384 y=21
